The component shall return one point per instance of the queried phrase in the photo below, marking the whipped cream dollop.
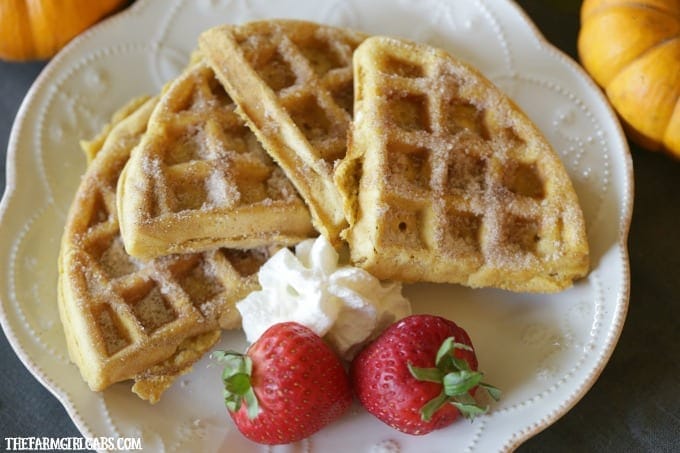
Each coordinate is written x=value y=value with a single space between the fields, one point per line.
x=344 y=304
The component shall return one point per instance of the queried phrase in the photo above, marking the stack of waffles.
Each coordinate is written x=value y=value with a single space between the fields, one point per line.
x=279 y=130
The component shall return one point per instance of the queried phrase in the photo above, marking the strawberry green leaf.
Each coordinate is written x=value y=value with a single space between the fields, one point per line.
x=469 y=411
x=433 y=406
x=426 y=374
x=460 y=364
x=465 y=398
x=494 y=392
x=234 y=362
x=445 y=353
x=251 y=403
x=457 y=380
x=461 y=382
x=225 y=356
x=236 y=377
x=238 y=383
x=232 y=401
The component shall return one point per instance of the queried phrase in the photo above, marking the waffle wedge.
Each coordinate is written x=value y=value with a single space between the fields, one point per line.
x=123 y=318
x=446 y=180
x=199 y=179
x=292 y=81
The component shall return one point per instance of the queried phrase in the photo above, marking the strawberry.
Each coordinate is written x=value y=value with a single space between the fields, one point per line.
x=287 y=386
x=419 y=375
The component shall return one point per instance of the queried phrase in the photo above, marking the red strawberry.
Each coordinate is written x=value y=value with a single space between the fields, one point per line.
x=419 y=375
x=287 y=386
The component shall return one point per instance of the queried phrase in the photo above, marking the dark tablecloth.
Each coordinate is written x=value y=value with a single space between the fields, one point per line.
x=635 y=404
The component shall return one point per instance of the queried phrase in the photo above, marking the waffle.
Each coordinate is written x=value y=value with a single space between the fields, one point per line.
x=93 y=146
x=143 y=320
x=292 y=81
x=446 y=180
x=200 y=180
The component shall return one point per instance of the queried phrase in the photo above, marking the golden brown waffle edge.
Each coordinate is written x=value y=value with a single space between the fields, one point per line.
x=447 y=180
x=128 y=319
x=199 y=179
x=292 y=81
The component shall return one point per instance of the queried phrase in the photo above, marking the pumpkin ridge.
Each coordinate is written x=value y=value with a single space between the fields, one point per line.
x=633 y=5
x=669 y=141
x=38 y=29
x=24 y=37
x=651 y=135
x=33 y=10
x=643 y=54
x=631 y=48
x=670 y=123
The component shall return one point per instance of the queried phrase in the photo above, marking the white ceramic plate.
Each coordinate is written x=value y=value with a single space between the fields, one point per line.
x=544 y=352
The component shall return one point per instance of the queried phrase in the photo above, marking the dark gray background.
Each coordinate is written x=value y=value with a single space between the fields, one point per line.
x=635 y=404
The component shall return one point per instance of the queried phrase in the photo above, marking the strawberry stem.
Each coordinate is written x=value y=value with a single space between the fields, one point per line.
x=236 y=377
x=457 y=380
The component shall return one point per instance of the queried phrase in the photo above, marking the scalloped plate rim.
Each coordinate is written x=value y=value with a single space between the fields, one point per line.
x=137 y=8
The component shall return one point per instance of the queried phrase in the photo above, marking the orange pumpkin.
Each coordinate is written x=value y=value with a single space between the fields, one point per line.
x=632 y=50
x=37 y=29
